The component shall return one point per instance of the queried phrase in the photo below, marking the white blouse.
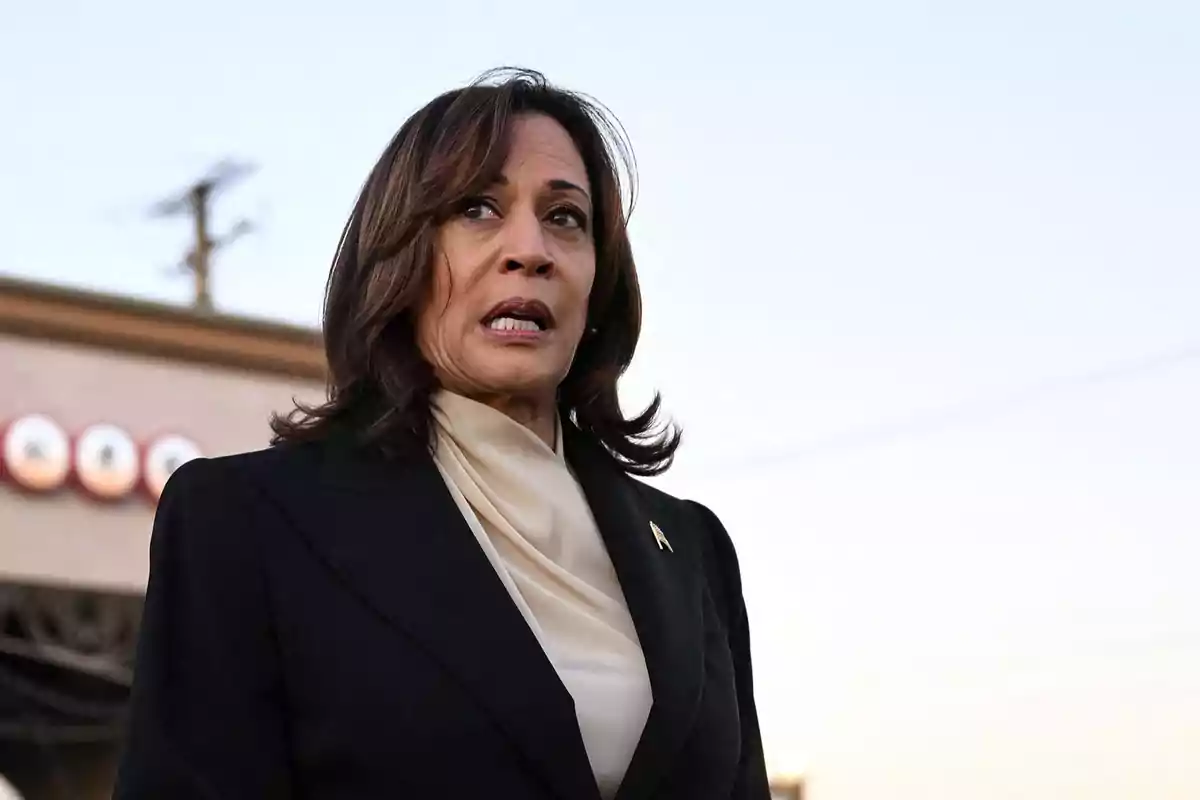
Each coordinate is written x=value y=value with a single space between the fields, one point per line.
x=534 y=524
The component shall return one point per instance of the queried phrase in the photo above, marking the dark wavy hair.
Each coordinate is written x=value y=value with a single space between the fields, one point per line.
x=379 y=383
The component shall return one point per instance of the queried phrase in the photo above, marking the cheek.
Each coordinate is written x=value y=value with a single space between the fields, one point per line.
x=428 y=329
x=589 y=277
x=582 y=291
x=435 y=319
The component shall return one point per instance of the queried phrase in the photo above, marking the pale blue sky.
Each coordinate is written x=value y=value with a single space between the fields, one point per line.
x=851 y=214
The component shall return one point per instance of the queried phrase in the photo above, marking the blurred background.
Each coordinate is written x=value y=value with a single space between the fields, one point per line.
x=922 y=285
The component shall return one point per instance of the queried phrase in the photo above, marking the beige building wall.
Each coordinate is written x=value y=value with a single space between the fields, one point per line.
x=67 y=538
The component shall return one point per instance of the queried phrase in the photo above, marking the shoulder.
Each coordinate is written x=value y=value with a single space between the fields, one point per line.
x=696 y=524
x=699 y=521
x=254 y=465
x=216 y=503
x=237 y=478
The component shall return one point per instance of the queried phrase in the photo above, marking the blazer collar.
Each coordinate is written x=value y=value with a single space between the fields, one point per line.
x=391 y=530
x=663 y=592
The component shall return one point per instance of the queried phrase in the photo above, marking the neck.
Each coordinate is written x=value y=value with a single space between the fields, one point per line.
x=539 y=416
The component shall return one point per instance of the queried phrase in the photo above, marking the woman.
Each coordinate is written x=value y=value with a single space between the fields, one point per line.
x=443 y=582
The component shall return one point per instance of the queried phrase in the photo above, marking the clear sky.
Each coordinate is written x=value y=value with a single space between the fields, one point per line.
x=922 y=283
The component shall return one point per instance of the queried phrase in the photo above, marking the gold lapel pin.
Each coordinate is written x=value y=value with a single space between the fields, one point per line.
x=660 y=537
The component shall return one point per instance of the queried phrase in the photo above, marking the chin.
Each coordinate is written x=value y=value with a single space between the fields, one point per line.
x=522 y=376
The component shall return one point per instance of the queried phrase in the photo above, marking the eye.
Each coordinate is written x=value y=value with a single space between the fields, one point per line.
x=478 y=208
x=568 y=217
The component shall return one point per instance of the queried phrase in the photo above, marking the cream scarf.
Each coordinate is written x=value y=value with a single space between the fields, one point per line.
x=534 y=524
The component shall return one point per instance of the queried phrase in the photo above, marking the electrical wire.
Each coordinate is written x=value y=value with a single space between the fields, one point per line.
x=966 y=412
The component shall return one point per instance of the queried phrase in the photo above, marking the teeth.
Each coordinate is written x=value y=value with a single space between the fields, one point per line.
x=513 y=324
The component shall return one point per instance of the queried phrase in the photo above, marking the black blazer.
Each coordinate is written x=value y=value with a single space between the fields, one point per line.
x=321 y=623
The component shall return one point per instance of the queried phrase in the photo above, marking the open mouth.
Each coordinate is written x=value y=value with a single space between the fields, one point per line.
x=518 y=315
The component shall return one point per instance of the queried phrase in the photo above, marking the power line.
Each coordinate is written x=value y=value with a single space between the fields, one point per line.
x=932 y=421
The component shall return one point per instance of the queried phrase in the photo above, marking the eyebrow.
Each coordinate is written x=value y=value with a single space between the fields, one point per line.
x=557 y=184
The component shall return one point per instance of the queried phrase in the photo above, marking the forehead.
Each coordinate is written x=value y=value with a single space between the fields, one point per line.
x=541 y=146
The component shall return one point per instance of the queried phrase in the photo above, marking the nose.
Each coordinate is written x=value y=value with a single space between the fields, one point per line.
x=525 y=246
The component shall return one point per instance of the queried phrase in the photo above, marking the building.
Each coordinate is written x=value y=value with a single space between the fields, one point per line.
x=100 y=398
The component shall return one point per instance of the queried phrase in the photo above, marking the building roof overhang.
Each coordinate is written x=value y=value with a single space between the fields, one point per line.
x=54 y=313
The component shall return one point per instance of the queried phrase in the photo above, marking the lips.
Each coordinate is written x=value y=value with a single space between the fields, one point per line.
x=519 y=310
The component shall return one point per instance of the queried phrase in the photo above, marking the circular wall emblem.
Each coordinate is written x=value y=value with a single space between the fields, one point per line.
x=163 y=456
x=106 y=462
x=36 y=453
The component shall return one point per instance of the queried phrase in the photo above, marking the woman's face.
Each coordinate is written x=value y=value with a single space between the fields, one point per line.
x=514 y=271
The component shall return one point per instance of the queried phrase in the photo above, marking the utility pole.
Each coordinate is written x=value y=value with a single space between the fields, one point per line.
x=196 y=202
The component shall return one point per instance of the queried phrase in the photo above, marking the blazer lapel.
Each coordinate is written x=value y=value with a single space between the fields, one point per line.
x=663 y=592
x=391 y=530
